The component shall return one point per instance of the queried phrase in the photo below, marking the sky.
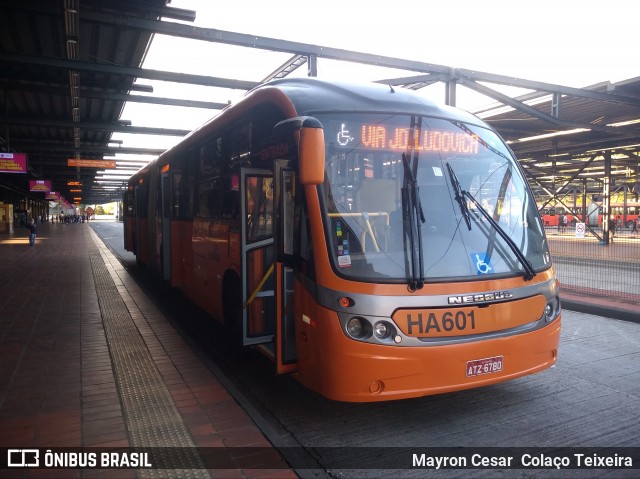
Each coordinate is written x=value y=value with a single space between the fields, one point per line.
x=571 y=43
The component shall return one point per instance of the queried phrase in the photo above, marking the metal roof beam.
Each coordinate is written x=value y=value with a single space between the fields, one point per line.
x=207 y=105
x=53 y=8
x=584 y=145
x=548 y=87
x=518 y=105
x=266 y=43
x=129 y=71
x=111 y=127
x=90 y=93
x=52 y=148
x=263 y=43
x=416 y=82
x=287 y=67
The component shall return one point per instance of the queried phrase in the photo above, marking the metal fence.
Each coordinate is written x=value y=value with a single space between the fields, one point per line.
x=593 y=266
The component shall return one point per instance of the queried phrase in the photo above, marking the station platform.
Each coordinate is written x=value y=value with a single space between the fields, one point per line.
x=88 y=361
x=601 y=305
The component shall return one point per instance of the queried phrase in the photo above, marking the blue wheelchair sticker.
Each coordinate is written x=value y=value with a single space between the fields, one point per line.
x=482 y=263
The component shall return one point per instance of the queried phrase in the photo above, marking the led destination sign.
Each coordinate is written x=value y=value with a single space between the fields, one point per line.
x=381 y=137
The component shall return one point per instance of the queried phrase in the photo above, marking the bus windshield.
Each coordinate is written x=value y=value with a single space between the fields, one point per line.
x=422 y=199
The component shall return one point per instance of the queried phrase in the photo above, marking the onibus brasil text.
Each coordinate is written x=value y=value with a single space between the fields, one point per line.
x=91 y=459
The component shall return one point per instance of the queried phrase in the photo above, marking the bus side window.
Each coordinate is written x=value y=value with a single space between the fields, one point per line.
x=259 y=201
x=230 y=204
x=214 y=202
x=202 y=199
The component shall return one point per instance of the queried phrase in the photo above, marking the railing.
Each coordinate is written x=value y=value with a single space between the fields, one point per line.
x=589 y=265
x=367 y=227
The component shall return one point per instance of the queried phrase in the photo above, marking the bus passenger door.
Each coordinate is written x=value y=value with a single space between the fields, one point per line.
x=268 y=206
x=287 y=214
x=166 y=226
x=258 y=258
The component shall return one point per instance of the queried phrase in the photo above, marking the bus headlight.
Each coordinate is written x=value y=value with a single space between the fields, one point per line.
x=380 y=329
x=383 y=330
x=357 y=327
x=372 y=329
x=552 y=309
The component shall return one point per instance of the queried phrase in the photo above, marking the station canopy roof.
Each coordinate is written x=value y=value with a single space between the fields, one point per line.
x=68 y=67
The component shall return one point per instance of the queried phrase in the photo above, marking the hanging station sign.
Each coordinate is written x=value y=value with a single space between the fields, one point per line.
x=91 y=163
x=43 y=186
x=13 y=162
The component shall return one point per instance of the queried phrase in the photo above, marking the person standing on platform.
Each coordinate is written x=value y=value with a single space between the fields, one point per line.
x=612 y=228
x=31 y=226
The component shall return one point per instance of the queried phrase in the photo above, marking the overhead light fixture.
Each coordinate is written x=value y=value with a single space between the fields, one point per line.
x=635 y=145
x=551 y=135
x=625 y=123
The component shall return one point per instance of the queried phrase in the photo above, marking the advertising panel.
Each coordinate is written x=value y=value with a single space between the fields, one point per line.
x=13 y=162
x=40 y=185
x=91 y=163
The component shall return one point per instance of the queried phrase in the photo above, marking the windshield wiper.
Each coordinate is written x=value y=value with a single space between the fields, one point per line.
x=529 y=271
x=459 y=196
x=412 y=212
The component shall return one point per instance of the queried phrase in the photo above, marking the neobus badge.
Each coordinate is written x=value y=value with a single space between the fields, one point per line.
x=480 y=298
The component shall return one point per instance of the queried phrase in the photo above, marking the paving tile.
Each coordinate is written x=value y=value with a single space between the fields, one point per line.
x=57 y=382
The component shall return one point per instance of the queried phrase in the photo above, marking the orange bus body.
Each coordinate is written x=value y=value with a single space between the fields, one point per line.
x=257 y=283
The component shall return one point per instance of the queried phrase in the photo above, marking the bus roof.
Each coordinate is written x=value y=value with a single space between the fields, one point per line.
x=309 y=96
x=312 y=95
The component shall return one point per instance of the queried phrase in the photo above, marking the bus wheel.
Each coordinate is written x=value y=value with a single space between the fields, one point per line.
x=232 y=309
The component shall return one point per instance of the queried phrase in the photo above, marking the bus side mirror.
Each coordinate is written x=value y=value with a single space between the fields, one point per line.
x=311 y=155
x=310 y=135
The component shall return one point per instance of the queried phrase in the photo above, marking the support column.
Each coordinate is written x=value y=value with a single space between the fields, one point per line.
x=606 y=198
x=555 y=105
x=584 y=201
x=450 y=92
x=625 y=189
x=312 y=65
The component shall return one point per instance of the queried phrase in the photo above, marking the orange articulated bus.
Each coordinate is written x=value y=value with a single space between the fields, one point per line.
x=370 y=242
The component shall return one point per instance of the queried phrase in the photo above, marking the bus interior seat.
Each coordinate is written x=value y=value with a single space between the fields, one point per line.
x=377 y=196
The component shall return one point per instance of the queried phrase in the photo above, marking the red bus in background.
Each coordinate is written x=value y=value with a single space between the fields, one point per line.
x=376 y=245
x=625 y=215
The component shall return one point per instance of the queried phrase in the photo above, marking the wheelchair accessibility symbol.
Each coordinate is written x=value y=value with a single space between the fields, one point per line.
x=482 y=262
x=344 y=137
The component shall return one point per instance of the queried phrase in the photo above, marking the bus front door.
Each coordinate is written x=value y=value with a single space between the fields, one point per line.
x=266 y=289
x=258 y=257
